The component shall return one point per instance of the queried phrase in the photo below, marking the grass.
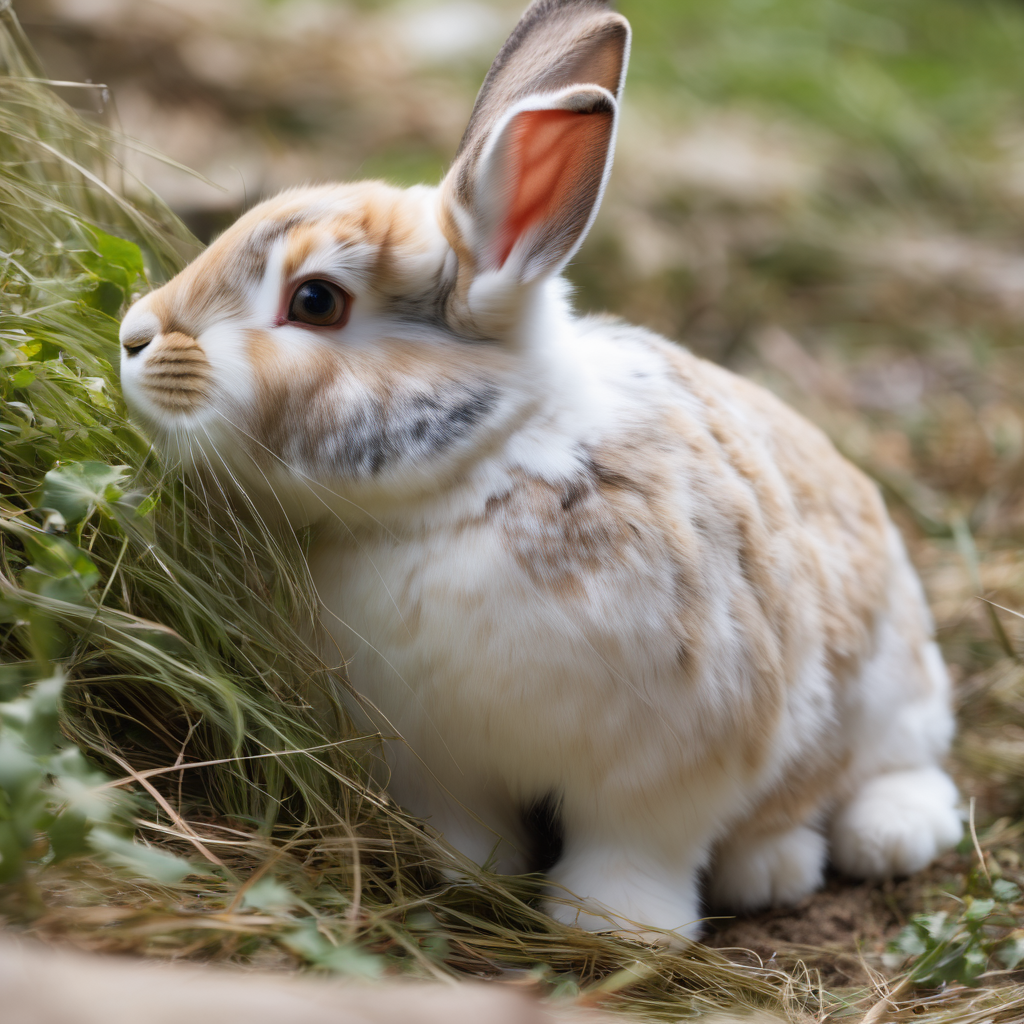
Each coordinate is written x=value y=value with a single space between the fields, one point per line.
x=173 y=628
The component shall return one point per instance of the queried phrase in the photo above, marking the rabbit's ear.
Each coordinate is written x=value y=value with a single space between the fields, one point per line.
x=535 y=158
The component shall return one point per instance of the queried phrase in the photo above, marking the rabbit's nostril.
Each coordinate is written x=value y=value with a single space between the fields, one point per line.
x=133 y=346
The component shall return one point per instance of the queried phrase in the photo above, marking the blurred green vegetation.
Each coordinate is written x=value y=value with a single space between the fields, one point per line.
x=894 y=72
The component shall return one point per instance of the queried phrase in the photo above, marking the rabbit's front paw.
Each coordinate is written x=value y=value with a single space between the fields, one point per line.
x=777 y=870
x=602 y=889
x=897 y=824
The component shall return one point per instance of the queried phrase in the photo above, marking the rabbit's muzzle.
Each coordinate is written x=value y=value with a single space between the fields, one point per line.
x=176 y=375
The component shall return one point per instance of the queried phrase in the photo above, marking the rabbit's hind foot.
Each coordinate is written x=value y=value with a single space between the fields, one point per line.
x=896 y=824
x=764 y=871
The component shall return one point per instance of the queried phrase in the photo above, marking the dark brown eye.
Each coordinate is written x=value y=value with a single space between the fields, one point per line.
x=318 y=302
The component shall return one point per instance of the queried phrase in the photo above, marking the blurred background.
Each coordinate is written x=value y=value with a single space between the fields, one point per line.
x=827 y=195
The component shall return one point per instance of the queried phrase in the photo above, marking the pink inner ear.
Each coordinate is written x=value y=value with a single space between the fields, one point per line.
x=553 y=154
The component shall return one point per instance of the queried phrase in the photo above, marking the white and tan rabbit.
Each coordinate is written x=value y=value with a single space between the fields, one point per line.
x=629 y=612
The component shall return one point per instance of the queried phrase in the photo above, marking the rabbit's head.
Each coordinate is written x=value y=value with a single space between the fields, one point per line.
x=372 y=339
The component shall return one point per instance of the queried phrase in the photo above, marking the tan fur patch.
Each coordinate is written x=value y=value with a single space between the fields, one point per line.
x=766 y=490
x=808 y=487
x=177 y=376
x=818 y=514
x=369 y=213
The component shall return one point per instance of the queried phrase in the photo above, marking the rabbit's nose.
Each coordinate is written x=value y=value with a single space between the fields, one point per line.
x=175 y=374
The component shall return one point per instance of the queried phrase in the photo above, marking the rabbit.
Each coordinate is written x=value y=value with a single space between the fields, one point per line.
x=636 y=623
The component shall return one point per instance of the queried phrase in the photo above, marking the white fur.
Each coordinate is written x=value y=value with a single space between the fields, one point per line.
x=896 y=824
x=636 y=891
x=778 y=870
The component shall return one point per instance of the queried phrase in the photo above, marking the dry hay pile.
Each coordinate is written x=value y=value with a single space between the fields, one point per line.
x=217 y=818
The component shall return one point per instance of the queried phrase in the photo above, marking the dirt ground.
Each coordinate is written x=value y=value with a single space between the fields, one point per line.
x=839 y=931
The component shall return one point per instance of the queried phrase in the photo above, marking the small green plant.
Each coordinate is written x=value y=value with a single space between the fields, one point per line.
x=946 y=948
x=54 y=805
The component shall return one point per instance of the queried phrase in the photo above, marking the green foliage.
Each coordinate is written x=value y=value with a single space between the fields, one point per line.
x=74 y=491
x=947 y=948
x=309 y=943
x=916 y=74
x=55 y=805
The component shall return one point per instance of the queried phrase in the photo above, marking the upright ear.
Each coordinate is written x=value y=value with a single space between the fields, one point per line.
x=532 y=167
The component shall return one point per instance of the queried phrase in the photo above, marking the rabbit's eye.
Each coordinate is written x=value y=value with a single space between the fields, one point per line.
x=318 y=302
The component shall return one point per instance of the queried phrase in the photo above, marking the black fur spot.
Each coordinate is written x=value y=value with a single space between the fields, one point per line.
x=575 y=492
x=545 y=833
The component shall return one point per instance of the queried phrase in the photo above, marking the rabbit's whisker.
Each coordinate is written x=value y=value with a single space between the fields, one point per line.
x=315 y=490
x=412 y=690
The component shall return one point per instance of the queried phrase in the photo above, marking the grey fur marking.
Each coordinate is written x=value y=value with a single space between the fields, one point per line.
x=414 y=426
x=253 y=255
